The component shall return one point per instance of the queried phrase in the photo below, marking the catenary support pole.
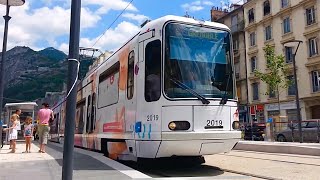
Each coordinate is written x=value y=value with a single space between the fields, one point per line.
x=297 y=95
x=68 y=147
x=3 y=57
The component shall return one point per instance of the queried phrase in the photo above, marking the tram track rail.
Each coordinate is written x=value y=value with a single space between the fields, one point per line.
x=250 y=174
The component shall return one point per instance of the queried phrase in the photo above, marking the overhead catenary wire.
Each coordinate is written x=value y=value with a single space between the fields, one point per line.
x=112 y=23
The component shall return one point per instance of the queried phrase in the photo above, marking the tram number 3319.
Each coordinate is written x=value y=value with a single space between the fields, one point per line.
x=214 y=123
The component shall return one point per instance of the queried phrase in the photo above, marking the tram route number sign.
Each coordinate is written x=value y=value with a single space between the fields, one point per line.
x=214 y=124
x=152 y=117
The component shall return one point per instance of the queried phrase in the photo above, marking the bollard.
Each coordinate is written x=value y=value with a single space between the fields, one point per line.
x=292 y=134
x=268 y=132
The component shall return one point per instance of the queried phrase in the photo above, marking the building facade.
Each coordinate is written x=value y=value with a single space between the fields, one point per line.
x=276 y=22
x=235 y=21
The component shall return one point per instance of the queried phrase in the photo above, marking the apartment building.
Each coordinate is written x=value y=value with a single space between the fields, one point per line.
x=276 y=22
x=234 y=19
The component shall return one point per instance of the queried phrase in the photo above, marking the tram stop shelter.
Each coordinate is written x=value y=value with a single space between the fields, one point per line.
x=27 y=109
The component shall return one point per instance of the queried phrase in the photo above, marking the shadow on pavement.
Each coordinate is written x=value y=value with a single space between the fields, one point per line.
x=173 y=168
x=82 y=161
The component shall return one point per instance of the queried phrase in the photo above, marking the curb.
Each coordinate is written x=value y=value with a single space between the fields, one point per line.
x=282 y=148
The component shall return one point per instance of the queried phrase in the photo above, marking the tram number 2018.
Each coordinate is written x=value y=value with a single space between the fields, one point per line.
x=152 y=117
x=214 y=122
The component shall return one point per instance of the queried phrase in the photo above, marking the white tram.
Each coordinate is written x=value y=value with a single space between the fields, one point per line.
x=169 y=91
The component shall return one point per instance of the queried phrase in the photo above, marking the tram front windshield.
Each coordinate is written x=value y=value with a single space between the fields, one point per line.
x=198 y=58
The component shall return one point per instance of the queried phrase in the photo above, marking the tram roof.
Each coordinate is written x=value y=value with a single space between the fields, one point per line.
x=167 y=18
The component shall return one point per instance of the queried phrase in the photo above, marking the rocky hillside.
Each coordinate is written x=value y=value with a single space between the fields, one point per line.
x=29 y=74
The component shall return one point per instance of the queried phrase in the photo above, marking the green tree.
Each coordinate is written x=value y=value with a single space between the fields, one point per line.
x=277 y=72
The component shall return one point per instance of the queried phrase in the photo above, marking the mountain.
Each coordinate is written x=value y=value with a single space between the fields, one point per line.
x=53 y=54
x=30 y=74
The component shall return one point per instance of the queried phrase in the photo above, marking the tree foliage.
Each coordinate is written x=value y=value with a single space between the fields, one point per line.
x=277 y=71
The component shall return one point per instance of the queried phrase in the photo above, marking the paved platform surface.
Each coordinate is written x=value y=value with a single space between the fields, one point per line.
x=311 y=149
x=48 y=166
x=268 y=165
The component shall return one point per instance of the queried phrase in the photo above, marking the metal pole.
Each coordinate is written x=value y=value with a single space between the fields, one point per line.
x=67 y=168
x=297 y=95
x=4 y=49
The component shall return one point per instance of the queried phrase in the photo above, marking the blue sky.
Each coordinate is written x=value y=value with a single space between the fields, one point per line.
x=45 y=23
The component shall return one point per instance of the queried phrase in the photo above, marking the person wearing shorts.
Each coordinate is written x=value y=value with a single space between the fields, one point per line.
x=44 y=116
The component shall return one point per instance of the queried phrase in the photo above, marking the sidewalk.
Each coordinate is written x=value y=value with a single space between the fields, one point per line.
x=39 y=166
x=311 y=149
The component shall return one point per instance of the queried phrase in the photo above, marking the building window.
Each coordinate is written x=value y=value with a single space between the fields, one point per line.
x=253 y=63
x=286 y=25
x=292 y=86
x=234 y=23
x=253 y=39
x=311 y=15
x=284 y=3
x=292 y=115
x=272 y=93
x=235 y=44
x=266 y=8
x=313 y=47
x=237 y=70
x=251 y=15
x=315 y=81
x=289 y=55
x=268 y=33
x=255 y=91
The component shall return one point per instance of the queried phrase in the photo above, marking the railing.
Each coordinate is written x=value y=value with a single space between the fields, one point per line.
x=287 y=131
x=239 y=27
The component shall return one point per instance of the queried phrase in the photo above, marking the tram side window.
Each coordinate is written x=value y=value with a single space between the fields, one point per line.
x=57 y=118
x=153 y=69
x=93 y=108
x=79 y=118
x=130 y=83
x=88 y=115
x=108 y=89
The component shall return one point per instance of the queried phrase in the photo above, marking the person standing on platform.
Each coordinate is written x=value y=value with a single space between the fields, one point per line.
x=44 y=116
x=13 y=133
x=28 y=132
x=15 y=117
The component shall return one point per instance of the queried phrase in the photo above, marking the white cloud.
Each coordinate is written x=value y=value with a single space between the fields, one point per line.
x=196 y=5
x=27 y=28
x=106 y=5
x=34 y=26
x=236 y=1
x=208 y=3
x=112 y=39
x=137 y=17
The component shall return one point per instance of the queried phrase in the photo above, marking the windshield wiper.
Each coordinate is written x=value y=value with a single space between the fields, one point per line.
x=190 y=90
x=224 y=98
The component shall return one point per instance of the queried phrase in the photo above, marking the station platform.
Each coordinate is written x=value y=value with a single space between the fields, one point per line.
x=310 y=149
x=39 y=166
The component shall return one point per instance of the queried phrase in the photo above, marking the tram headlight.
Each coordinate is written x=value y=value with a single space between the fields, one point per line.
x=172 y=126
x=236 y=125
x=179 y=125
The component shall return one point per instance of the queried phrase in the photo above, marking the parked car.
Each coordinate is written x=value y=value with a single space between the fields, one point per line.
x=310 y=132
x=255 y=133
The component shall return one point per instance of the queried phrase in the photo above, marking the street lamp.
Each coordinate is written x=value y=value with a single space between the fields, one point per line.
x=7 y=3
x=296 y=43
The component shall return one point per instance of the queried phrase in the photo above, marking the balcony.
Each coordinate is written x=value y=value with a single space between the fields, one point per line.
x=239 y=27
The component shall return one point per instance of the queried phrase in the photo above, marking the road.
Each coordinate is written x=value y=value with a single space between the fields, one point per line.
x=239 y=165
